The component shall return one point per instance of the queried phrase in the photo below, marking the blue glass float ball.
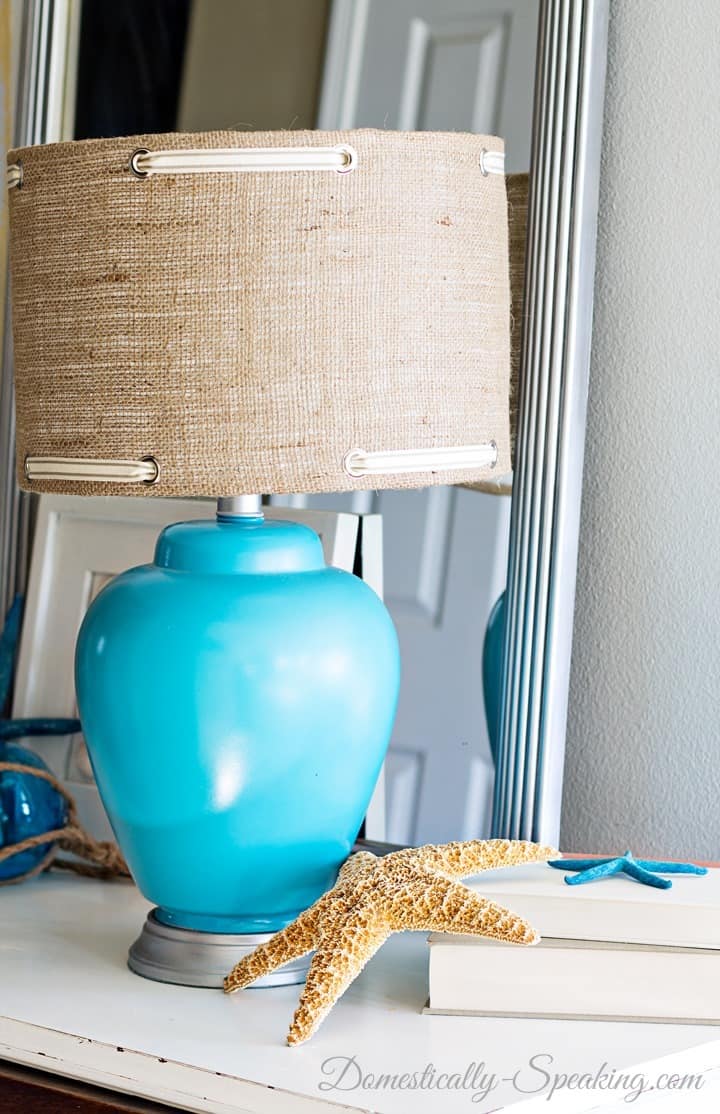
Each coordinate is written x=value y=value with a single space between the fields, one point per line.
x=29 y=806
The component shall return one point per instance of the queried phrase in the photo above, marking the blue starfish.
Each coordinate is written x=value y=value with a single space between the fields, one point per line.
x=642 y=870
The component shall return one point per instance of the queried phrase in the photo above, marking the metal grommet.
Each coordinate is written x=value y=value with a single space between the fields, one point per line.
x=351 y=158
x=25 y=468
x=351 y=463
x=133 y=163
x=150 y=459
x=494 y=446
x=483 y=169
x=20 y=176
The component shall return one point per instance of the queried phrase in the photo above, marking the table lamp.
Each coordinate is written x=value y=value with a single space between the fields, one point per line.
x=226 y=314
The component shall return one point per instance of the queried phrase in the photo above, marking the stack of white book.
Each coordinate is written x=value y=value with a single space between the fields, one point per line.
x=611 y=949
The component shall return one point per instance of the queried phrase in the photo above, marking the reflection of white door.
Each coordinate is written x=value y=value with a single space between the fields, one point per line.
x=436 y=65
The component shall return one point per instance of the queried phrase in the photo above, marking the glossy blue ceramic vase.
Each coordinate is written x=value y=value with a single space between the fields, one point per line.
x=237 y=698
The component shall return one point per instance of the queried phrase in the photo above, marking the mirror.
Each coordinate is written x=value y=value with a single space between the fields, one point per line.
x=160 y=65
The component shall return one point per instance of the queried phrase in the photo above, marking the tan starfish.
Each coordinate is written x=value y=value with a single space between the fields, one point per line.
x=373 y=897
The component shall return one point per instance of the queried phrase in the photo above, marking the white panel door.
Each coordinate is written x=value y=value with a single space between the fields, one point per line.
x=433 y=65
x=463 y=65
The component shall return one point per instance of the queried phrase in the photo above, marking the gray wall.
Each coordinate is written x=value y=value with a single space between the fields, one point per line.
x=643 y=752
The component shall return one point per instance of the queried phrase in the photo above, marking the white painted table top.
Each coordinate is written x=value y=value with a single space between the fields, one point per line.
x=68 y=1004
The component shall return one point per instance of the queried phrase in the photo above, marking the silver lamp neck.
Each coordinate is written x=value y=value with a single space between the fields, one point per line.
x=240 y=506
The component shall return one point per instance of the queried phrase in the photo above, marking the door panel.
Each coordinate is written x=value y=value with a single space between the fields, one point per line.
x=436 y=65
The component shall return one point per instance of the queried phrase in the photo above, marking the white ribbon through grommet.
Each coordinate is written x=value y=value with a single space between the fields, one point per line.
x=14 y=176
x=231 y=160
x=358 y=463
x=491 y=162
x=77 y=470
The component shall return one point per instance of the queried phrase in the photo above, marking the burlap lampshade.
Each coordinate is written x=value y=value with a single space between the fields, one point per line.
x=333 y=315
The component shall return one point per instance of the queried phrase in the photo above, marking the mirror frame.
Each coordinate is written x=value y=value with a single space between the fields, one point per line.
x=44 y=100
x=554 y=378
x=547 y=485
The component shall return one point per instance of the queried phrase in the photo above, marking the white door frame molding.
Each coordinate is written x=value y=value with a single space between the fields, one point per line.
x=343 y=62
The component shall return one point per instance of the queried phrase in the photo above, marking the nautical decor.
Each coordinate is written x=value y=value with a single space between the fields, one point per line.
x=417 y=888
x=645 y=871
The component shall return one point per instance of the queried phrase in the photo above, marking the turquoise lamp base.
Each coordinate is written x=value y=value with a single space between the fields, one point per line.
x=237 y=698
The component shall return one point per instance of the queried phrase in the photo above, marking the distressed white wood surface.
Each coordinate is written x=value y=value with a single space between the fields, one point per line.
x=69 y=1005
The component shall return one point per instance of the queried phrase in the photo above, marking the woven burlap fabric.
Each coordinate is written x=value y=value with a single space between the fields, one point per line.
x=248 y=329
x=517 y=200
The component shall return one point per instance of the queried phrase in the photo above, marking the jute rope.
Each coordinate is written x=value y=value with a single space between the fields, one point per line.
x=104 y=858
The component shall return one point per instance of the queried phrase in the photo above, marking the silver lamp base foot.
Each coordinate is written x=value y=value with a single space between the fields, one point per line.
x=180 y=955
